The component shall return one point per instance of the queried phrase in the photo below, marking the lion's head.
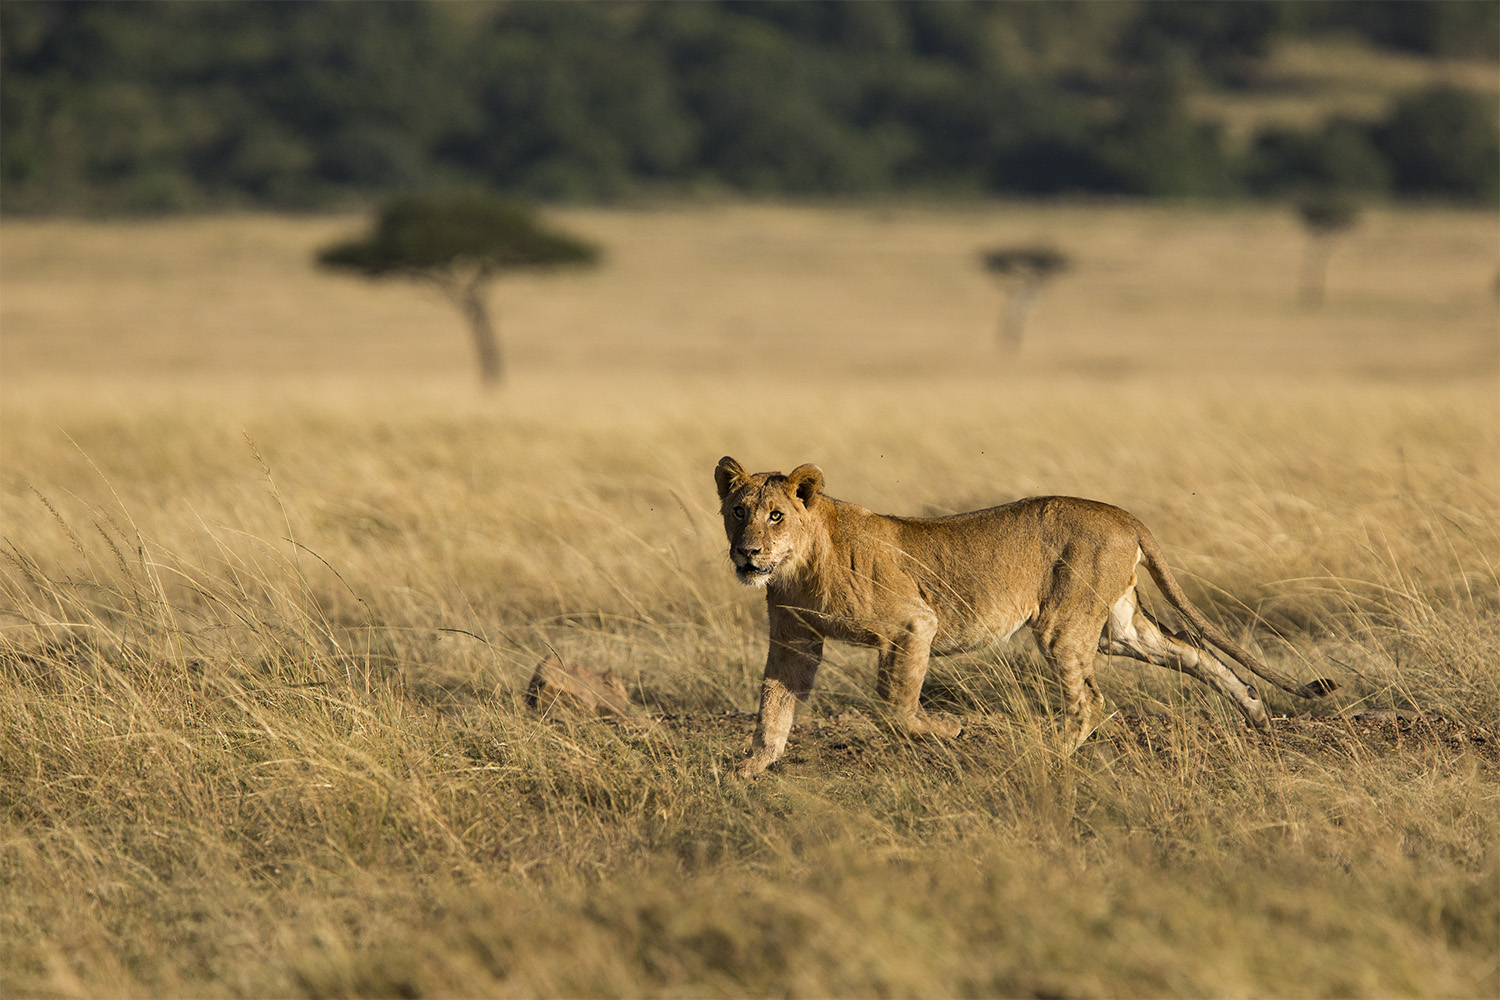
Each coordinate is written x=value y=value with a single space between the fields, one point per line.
x=768 y=517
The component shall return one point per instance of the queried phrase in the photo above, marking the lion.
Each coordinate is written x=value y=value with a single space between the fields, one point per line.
x=913 y=587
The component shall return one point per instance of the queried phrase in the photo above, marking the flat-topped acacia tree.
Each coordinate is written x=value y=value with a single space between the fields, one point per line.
x=460 y=243
x=1325 y=215
x=1024 y=270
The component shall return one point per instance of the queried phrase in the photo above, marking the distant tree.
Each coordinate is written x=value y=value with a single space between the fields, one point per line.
x=1445 y=28
x=1325 y=215
x=1339 y=154
x=460 y=244
x=1443 y=141
x=1228 y=42
x=1024 y=271
x=1157 y=149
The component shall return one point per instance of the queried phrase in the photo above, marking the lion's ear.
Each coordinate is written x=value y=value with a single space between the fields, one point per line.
x=728 y=475
x=807 y=482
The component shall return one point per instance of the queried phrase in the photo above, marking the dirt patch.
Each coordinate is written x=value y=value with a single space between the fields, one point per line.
x=1390 y=732
x=856 y=741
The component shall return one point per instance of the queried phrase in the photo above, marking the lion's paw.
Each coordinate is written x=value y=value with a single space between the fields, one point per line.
x=751 y=766
x=922 y=724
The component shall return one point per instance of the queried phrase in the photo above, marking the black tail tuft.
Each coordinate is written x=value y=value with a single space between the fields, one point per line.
x=1317 y=688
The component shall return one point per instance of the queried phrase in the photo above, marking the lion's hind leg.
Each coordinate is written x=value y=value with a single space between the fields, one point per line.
x=1132 y=632
x=1069 y=649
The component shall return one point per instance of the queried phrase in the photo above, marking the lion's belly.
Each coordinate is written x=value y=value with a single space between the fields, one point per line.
x=963 y=624
x=969 y=618
x=976 y=633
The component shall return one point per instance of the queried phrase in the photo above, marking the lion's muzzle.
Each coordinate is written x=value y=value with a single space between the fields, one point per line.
x=747 y=569
x=751 y=573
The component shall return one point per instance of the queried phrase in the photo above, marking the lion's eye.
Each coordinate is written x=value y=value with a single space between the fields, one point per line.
x=775 y=516
x=739 y=513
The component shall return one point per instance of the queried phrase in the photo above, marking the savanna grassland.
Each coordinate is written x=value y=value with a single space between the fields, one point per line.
x=276 y=573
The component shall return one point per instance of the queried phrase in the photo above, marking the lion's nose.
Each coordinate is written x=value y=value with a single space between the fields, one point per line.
x=746 y=552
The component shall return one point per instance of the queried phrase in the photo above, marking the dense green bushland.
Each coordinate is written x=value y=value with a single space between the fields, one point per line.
x=164 y=106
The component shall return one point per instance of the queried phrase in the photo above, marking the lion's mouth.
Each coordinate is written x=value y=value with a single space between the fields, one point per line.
x=750 y=571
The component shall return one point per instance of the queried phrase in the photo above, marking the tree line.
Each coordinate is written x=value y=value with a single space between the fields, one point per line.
x=162 y=106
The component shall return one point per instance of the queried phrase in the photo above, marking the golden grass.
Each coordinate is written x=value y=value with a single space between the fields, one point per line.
x=821 y=292
x=275 y=573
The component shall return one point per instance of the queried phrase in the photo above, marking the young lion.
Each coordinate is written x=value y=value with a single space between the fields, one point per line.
x=912 y=587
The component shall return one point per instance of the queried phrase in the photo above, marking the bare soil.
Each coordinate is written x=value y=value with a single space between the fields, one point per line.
x=853 y=741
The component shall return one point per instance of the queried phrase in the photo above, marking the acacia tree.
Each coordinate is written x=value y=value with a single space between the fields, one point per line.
x=460 y=244
x=1325 y=215
x=1024 y=271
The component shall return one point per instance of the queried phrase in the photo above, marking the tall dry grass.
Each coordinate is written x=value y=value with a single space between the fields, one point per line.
x=263 y=635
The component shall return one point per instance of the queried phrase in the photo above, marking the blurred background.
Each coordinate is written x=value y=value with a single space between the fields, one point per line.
x=821 y=187
x=155 y=107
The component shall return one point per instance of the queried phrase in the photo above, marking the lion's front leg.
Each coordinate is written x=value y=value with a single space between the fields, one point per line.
x=903 y=668
x=791 y=668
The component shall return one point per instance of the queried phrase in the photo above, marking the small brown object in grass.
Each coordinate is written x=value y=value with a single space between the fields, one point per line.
x=561 y=688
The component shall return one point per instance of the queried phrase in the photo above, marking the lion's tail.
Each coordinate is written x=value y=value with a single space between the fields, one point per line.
x=1157 y=564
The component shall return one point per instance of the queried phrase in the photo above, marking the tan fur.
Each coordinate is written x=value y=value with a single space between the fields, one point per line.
x=913 y=587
